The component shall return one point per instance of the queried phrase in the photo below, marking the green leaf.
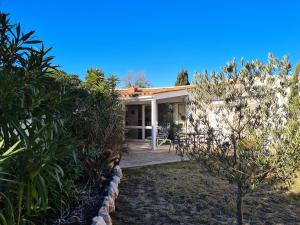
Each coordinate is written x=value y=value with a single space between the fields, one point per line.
x=20 y=201
x=12 y=150
x=2 y=219
x=33 y=42
x=8 y=207
x=18 y=29
x=25 y=37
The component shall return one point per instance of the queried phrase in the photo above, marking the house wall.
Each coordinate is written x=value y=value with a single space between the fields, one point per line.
x=217 y=121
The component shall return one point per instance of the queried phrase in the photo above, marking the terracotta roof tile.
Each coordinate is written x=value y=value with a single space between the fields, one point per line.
x=136 y=92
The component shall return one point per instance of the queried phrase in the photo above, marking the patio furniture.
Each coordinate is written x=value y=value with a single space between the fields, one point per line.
x=186 y=141
x=161 y=138
x=180 y=140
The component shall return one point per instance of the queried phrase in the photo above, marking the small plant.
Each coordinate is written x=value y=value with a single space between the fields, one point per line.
x=96 y=162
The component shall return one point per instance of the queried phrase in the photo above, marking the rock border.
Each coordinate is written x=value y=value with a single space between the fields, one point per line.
x=108 y=204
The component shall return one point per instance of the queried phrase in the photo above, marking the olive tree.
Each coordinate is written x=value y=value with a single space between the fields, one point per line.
x=244 y=132
x=294 y=100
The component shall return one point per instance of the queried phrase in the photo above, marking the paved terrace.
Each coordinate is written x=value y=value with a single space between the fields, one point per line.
x=140 y=154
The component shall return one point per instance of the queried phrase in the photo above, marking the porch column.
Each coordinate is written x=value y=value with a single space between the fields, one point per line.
x=186 y=113
x=143 y=122
x=154 y=122
x=124 y=116
x=175 y=113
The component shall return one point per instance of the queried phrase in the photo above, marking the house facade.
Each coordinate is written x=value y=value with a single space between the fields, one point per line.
x=147 y=110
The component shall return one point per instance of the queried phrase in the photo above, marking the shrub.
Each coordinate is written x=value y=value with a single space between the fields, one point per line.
x=242 y=117
x=49 y=113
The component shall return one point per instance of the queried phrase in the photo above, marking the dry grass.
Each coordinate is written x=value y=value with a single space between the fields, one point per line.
x=183 y=193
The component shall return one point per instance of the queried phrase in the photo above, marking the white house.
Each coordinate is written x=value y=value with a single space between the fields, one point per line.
x=145 y=109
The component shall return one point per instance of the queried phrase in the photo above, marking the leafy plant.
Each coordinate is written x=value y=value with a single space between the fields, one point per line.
x=294 y=101
x=30 y=115
x=242 y=120
x=7 y=215
x=99 y=117
x=99 y=114
x=48 y=113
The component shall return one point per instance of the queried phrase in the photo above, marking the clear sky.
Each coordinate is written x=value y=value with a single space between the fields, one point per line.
x=159 y=37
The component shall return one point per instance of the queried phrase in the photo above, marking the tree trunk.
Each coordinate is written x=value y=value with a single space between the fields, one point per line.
x=239 y=204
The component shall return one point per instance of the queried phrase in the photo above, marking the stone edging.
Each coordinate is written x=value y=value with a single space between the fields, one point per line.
x=108 y=204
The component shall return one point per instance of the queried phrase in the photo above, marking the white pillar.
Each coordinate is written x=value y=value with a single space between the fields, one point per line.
x=186 y=108
x=154 y=122
x=124 y=118
x=175 y=113
x=143 y=122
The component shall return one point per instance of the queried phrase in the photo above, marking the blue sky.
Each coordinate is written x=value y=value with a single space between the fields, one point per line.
x=159 y=37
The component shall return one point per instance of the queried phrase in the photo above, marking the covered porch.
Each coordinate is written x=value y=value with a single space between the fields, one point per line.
x=147 y=111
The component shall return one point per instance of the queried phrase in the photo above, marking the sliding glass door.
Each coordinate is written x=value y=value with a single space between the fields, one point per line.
x=138 y=121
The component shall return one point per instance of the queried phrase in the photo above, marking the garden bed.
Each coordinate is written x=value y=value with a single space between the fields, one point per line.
x=95 y=203
x=184 y=193
x=82 y=212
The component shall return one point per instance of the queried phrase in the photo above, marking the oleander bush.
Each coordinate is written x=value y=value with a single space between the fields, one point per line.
x=45 y=115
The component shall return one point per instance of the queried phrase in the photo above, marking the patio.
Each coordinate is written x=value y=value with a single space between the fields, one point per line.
x=140 y=154
x=148 y=109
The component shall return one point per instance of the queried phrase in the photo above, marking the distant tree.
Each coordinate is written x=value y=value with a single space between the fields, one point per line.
x=246 y=134
x=139 y=80
x=95 y=80
x=128 y=80
x=94 y=77
x=182 y=78
x=113 y=81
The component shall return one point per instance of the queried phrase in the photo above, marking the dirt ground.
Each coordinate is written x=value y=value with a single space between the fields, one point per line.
x=184 y=193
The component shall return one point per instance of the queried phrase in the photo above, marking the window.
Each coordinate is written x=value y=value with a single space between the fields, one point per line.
x=147 y=115
x=134 y=115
